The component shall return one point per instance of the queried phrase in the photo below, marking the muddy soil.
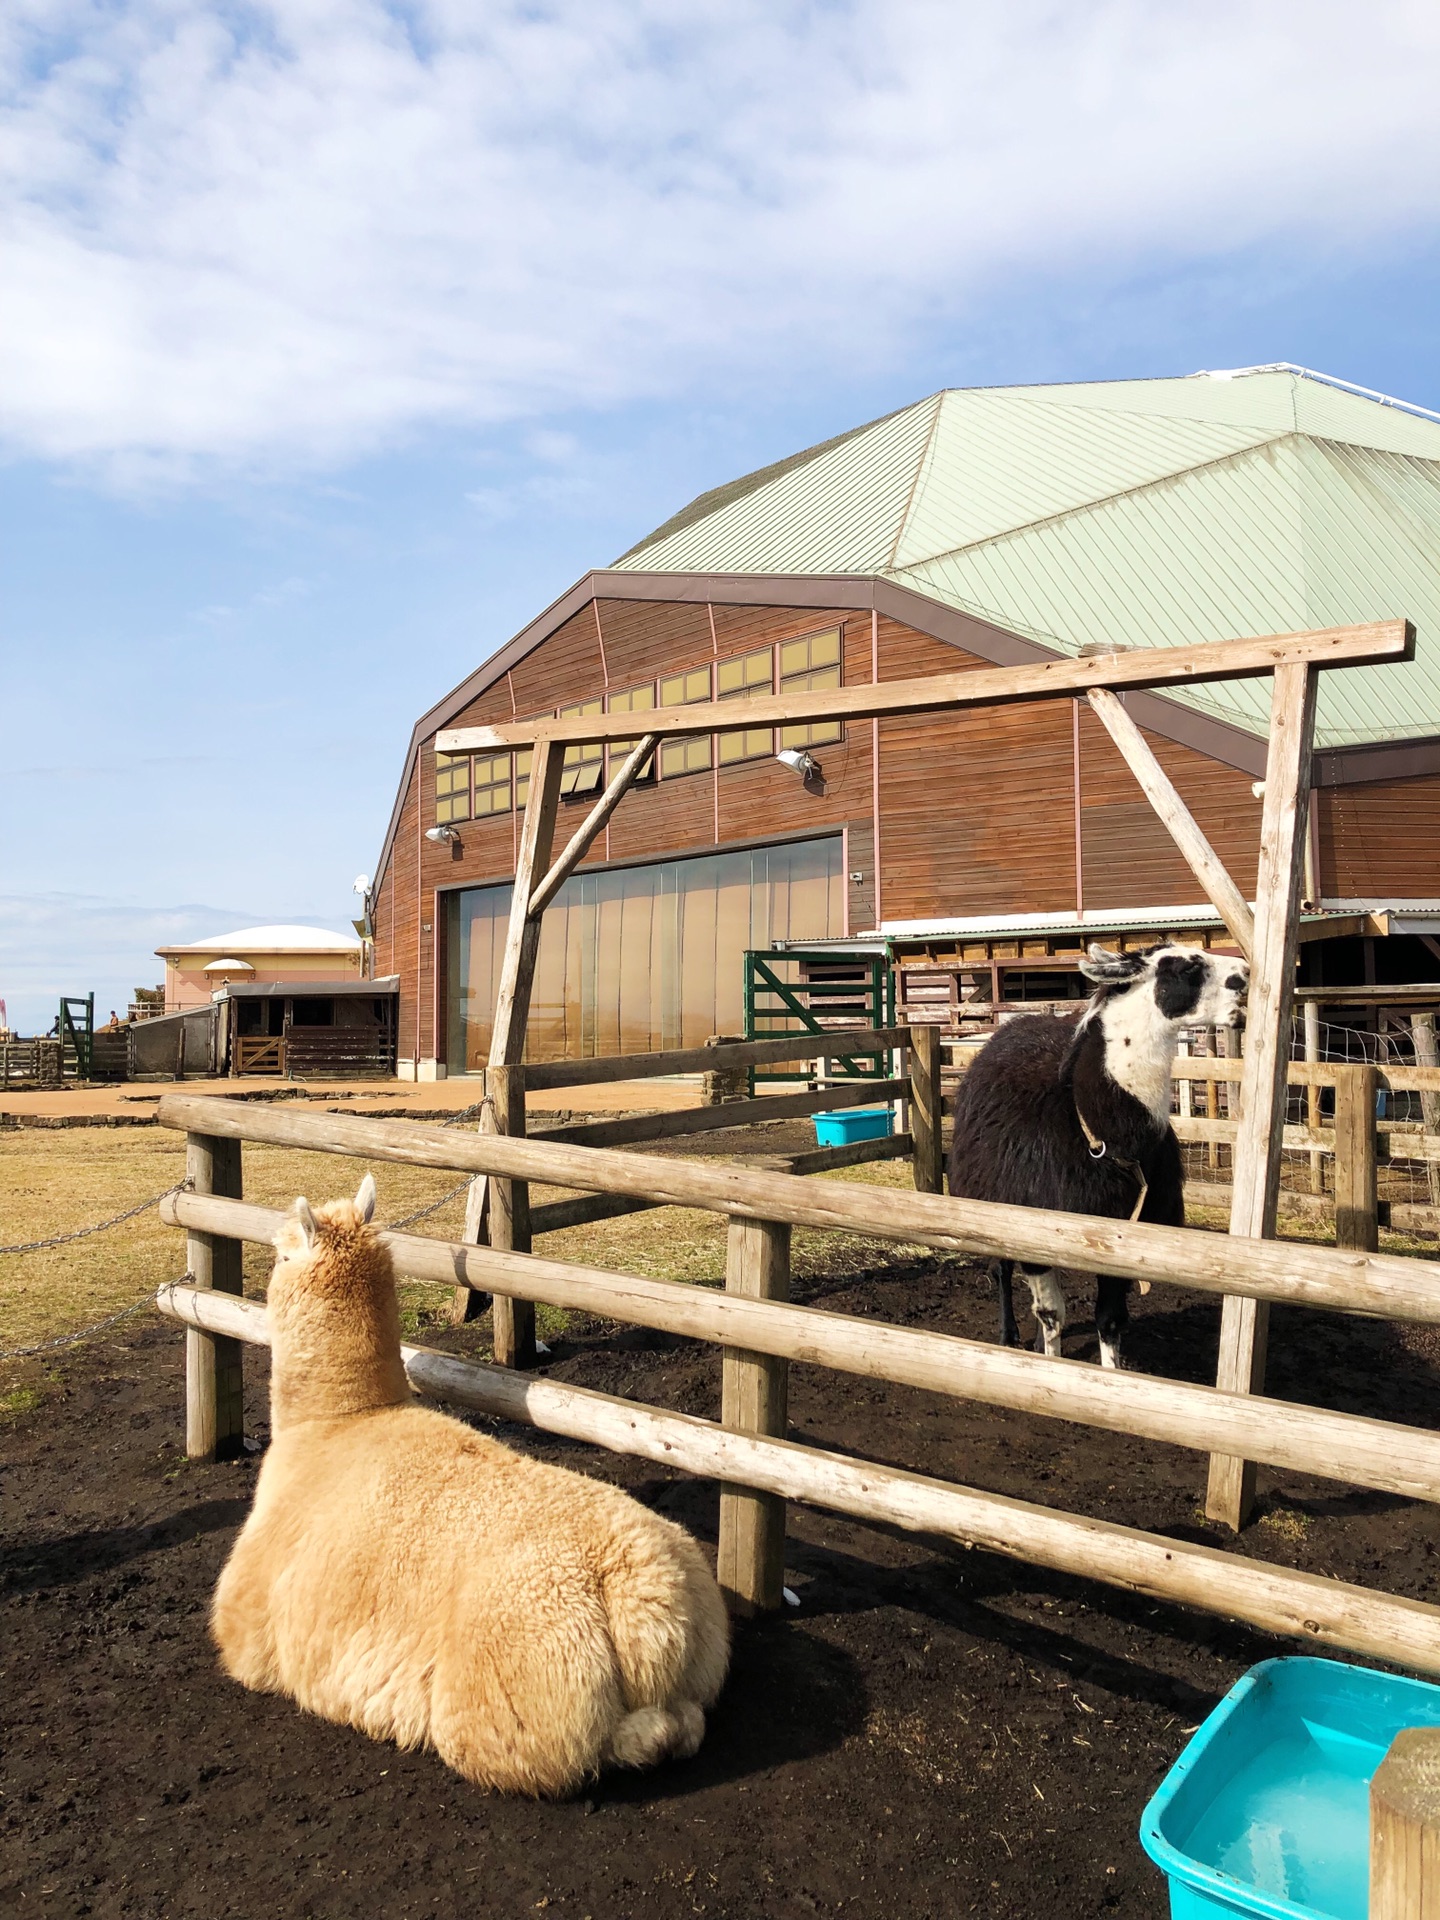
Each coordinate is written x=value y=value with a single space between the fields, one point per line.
x=933 y=1731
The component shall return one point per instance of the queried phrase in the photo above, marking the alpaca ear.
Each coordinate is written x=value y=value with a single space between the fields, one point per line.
x=365 y=1198
x=1101 y=964
x=306 y=1219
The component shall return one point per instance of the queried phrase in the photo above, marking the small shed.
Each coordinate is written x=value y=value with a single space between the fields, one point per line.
x=308 y=1029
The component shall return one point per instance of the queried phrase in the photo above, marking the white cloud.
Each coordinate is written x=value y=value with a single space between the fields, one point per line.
x=277 y=235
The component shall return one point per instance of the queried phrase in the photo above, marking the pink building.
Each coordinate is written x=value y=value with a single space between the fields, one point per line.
x=254 y=955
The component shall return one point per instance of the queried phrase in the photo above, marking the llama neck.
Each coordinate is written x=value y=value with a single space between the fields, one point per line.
x=1139 y=1046
x=331 y=1358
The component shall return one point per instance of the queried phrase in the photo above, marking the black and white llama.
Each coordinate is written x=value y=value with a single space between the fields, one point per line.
x=1075 y=1116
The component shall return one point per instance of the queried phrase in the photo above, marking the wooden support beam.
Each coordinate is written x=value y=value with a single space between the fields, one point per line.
x=1357 y=1220
x=1244 y=1323
x=754 y=1390
x=556 y=1215
x=833 y=1044
x=1389 y=1285
x=1427 y=1055
x=593 y=824
x=1058 y=679
x=508 y=1203
x=1405 y=1828
x=855 y=1153
x=214 y=1363
x=1339 y=1446
x=1311 y=1608
x=925 y=1107
x=1201 y=858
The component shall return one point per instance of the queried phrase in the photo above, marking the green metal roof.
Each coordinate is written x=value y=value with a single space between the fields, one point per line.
x=1143 y=512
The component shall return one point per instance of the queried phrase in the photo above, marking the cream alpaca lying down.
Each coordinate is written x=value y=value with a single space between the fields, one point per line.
x=402 y=1574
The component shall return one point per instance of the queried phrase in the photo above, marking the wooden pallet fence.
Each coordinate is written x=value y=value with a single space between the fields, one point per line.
x=1308 y=1607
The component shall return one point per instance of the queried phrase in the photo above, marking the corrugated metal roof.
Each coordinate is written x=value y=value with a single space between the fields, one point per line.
x=1144 y=512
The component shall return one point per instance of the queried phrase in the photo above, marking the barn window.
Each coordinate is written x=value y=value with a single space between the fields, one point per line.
x=452 y=787
x=491 y=784
x=747 y=677
x=804 y=666
x=584 y=767
x=692 y=754
x=634 y=700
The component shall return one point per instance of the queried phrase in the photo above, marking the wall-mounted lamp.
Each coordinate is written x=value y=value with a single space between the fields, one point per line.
x=443 y=836
x=806 y=765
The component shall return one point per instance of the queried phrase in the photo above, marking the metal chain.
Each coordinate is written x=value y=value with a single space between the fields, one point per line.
x=81 y=1233
x=422 y=1213
x=69 y=1339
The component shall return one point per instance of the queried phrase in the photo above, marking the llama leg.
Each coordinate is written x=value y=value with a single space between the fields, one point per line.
x=1009 y=1332
x=1047 y=1298
x=1112 y=1316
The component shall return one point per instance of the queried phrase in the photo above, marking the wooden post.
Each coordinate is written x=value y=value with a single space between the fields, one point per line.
x=1312 y=1092
x=214 y=1364
x=1427 y=1054
x=1176 y=818
x=753 y=1399
x=929 y=1158
x=1405 y=1828
x=1245 y=1324
x=1357 y=1221
x=504 y=1109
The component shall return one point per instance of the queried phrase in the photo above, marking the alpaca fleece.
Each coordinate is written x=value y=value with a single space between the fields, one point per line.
x=404 y=1575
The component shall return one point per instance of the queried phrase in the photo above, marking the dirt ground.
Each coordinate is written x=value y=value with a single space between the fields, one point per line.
x=932 y=1732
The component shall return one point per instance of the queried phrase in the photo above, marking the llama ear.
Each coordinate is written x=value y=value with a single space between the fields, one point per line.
x=306 y=1219
x=365 y=1198
x=1100 y=963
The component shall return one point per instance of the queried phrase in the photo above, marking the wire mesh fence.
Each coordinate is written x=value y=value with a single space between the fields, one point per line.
x=1407 y=1120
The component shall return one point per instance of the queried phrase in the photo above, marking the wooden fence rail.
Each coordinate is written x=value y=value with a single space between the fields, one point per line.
x=1305 y=1606
x=760 y=1334
x=753 y=1318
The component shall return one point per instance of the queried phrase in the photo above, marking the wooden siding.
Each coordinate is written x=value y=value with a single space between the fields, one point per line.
x=977 y=810
x=976 y=807
x=1381 y=840
x=1129 y=858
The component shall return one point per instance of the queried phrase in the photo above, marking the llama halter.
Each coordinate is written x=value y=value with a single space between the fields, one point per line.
x=1099 y=1151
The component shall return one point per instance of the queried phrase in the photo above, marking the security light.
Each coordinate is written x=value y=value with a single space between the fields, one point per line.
x=805 y=764
x=444 y=836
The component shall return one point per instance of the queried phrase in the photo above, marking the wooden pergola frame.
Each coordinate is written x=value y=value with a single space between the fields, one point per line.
x=1267 y=936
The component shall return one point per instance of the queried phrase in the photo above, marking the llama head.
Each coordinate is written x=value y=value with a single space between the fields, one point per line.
x=1175 y=985
x=334 y=1319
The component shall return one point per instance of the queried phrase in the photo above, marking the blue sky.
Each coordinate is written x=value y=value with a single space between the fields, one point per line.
x=340 y=338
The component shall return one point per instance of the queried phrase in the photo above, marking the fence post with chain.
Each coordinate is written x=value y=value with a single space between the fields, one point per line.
x=214 y=1369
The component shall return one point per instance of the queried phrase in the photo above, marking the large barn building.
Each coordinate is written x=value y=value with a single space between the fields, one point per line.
x=976 y=527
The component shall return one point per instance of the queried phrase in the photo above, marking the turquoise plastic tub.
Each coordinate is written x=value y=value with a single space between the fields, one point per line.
x=855 y=1123
x=1267 y=1811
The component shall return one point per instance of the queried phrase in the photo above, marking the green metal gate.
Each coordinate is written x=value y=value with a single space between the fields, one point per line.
x=800 y=992
x=77 y=1036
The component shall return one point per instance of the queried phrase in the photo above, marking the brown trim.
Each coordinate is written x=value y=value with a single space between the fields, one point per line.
x=1217 y=739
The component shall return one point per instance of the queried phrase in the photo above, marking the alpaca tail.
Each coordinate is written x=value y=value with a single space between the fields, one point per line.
x=652 y=1734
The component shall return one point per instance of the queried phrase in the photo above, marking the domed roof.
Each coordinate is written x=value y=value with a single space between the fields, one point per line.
x=276 y=939
x=1145 y=512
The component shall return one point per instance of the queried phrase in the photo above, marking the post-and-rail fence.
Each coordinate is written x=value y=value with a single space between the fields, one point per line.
x=760 y=1333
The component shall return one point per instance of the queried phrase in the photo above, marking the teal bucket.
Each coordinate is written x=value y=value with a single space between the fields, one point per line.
x=1267 y=1811
x=855 y=1123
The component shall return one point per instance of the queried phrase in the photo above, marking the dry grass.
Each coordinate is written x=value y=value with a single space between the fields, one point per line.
x=52 y=1181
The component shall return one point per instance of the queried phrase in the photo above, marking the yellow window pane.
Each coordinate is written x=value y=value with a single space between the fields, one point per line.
x=749 y=674
x=752 y=743
x=817 y=733
x=683 y=689
x=634 y=700
x=522 y=774
x=816 y=650
x=684 y=756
